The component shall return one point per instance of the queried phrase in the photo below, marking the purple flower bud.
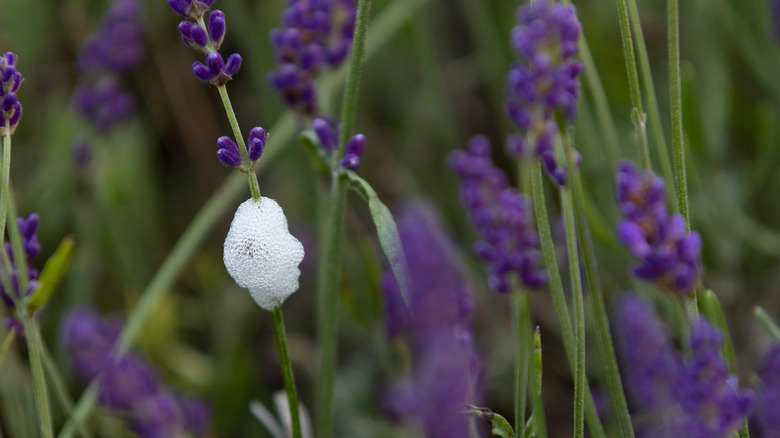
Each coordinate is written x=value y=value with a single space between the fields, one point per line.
x=228 y=153
x=350 y=161
x=326 y=133
x=201 y=72
x=217 y=28
x=233 y=64
x=257 y=141
x=356 y=145
x=515 y=145
x=194 y=35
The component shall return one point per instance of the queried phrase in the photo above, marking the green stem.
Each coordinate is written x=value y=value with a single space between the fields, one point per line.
x=7 y=342
x=680 y=179
x=330 y=268
x=600 y=315
x=6 y=177
x=637 y=114
x=522 y=318
x=289 y=379
x=536 y=385
x=60 y=389
x=39 y=379
x=567 y=205
x=654 y=116
x=558 y=296
x=254 y=187
x=766 y=321
x=387 y=24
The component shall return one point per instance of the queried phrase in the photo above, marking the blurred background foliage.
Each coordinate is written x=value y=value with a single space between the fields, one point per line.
x=432 y=85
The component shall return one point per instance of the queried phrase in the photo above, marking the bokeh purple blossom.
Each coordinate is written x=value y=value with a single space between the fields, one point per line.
x=130 y=387
x=314 y=34
x=668 y=255
x=544 y=82
x=437 y=328
x=694 y=397
x=503 y=216
x=28 y=228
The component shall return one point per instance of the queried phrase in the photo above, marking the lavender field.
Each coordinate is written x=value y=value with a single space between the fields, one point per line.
x=390 y=218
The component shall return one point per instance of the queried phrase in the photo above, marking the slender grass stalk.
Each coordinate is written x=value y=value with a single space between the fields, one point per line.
x=567 y=205
x=289 y=379
x=390 y=21
x=614 y=381
x=39 y=379
x=522 y=318
x=654 y=115
x=675 y=90
x=558 y=296
x=637 y=114
x=6 y=175
x=540 y=421
x=254 y=187
x=766 y=321
x=20 y=263
x=60 y=389
x=9 y=339
x=330 y=268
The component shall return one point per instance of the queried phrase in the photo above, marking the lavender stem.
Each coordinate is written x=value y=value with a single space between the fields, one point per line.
x=289 y=379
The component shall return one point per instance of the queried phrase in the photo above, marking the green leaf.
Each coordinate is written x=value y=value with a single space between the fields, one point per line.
x=386 y=229
x=710 y=307
x=766 y=321
x=52 y=273
x=500 y=427
x=312 y=145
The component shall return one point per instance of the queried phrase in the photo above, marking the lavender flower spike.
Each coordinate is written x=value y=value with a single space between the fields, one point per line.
x=544 y=82
x=31 y=247
x=503 y=217
x=668 y=255
x=695 y=398
x=190 y=8
x=768 y=412
x=10 y=81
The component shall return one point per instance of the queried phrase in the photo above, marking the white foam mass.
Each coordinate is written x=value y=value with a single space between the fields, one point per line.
x=261 y=254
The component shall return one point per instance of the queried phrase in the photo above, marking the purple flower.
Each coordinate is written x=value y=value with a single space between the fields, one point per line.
x=104 y=103
x=190 y=8
x=668 y=255
x=768 y=411
x=10 y=81
x=30 y=247
x=544 y=81
x=129 y=385
x=228 y=152
x=216 y=71
x=438 y=294
x=257 y=141
x=118 y=46
x=695 y=398
x=437 y=327
x=328 y=133
x=314 y=34
x=503 y=216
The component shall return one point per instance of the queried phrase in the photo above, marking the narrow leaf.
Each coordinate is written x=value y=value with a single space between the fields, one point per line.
x=500 y=427
x=312 y=145
x=52 y=273
x=386 y=229
x=766 y=321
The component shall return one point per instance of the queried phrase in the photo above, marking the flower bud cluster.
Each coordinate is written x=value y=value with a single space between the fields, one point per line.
x=114 y=49
x=668 y=255
x=230 y=155
x=544 y=83
x=692 y=397
x=329 y=133
x=129 y=386
x=206 y=38
x=314 y=34
x=28 y=228
x=503 y=216
x=10 y=81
